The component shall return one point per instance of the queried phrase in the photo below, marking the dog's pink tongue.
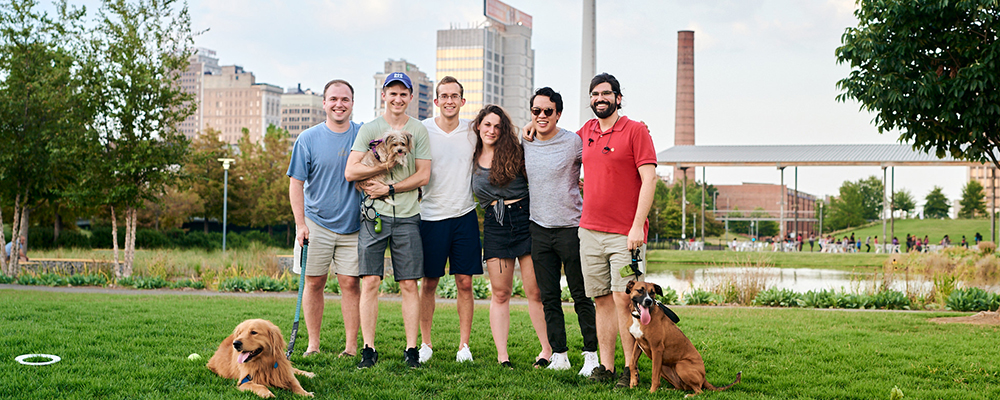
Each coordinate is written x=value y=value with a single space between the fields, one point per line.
x=644 y=315
x=243 y=356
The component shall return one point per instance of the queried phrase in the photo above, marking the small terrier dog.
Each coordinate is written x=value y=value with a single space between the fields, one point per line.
x=394 y=146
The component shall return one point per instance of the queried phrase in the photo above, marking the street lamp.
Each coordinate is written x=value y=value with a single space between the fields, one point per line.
x=821 y=219
x=225 y=197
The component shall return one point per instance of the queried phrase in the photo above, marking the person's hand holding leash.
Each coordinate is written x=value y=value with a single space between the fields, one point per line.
x=302 y=234
x=635 y=238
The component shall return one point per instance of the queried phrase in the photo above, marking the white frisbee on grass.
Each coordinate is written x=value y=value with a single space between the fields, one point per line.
x=52 y=359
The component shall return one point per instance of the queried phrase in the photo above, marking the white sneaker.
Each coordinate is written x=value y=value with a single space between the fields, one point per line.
x=464 y=354
x=424 y=353
x=559 y=361
x=590 y=361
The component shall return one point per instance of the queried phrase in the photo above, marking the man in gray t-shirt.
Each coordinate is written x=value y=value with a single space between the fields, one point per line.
x=552 y=162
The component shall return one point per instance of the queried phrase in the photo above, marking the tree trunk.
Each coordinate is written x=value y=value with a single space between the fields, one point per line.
x=206 y=223
x=13 y=267
x=130 y=220
x=3 y=242
x=56 y=227
x=114 y=242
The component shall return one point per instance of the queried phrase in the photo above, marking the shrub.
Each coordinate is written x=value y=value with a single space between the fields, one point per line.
x=669 y=296
x=151 y=239
x=987 y=247
x=87 y=280
x=566 y=296
x=891 y=300
x=4 y=279
x=100 y=237
x=234 y=284
x=819 y=299
x=41 y=279
x=480 y=288
x=40 y=238
x=972 y=299
x=332 y=285
x=391 y=286
x=774 y=297
x=855 y=301
x=700 y=296
x=234 y=241
x=187 y=283
x=518 y=287
x=152 y=282
x=264 y=284
x=198 y=240
x=73 y=239
x=446 y=287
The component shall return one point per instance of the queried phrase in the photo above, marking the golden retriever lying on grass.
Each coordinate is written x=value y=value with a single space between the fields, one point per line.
x=253 y=355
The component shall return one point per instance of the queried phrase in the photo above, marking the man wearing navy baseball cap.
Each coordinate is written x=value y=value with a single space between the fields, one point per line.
x=394 y=226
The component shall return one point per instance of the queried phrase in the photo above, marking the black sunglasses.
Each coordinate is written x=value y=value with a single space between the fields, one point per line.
x=548 y=111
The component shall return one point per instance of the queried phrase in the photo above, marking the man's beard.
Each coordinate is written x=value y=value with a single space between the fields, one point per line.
x=612 y=107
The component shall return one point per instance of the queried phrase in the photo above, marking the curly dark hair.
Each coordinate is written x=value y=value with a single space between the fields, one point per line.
x=508 y=156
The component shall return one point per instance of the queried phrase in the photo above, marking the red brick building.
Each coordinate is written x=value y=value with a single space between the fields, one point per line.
x=749 y=196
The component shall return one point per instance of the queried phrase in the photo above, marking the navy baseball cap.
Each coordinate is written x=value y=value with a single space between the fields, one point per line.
x=397 y=77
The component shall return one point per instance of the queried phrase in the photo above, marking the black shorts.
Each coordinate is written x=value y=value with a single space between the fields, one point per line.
x=452 y=241
x=509 y=237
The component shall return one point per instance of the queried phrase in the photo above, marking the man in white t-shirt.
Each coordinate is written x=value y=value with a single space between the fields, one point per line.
x=449 y=228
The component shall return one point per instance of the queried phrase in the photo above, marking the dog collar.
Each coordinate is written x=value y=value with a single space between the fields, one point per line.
x=249 y=378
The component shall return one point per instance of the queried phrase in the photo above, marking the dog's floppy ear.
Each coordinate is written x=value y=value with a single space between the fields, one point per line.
x=628 y=288
x=275 y=340
x=409 y=140
x=657 y=289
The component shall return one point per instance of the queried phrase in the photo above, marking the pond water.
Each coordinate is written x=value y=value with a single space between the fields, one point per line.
x=800 y=280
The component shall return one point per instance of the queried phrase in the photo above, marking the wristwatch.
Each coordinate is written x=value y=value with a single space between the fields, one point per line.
x=392 y=191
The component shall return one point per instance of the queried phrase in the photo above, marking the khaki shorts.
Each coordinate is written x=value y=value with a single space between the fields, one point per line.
x=328 y=251
x=602 y=255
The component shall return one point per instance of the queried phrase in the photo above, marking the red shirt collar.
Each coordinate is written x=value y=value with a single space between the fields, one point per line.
x=618 y=126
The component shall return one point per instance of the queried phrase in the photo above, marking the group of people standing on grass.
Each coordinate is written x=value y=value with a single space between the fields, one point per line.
x=527 y=181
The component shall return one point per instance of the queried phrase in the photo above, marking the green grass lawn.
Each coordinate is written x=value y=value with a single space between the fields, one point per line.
x=935 y=229
x=135 y=346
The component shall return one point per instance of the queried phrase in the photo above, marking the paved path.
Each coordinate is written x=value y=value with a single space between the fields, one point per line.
x=194 y=292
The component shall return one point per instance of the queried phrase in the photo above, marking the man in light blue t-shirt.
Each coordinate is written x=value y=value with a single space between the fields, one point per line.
x=326 y=208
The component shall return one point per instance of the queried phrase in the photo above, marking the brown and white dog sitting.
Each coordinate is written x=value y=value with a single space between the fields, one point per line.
x=391 y=150
x=254 y=356
x=656 y=334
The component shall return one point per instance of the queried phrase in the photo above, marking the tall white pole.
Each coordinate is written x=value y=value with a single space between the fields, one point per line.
x=588 y=58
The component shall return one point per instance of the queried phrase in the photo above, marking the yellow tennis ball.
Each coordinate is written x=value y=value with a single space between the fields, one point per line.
x=194 y=357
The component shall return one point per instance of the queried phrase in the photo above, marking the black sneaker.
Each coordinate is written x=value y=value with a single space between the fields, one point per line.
x=625 y=379
x=412 y=357
x=601 y=374
x=368 y=357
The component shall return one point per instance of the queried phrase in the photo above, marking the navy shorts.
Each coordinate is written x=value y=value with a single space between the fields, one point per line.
x=509 y=237
x=452 y=241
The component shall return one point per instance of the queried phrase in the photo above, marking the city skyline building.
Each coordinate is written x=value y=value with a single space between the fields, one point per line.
x=300 y=110
x=202 y=62
x=233 y=100
x=493 y=60
x=422 y=106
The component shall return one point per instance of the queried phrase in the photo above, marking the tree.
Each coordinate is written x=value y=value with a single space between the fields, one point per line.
x=204 y=174
x=135 y=55
x=973 y=203
x=261 y=186
x=903 y=201
x=858 y=203
x=930 y=70
x=936 y=205
x=39 y=109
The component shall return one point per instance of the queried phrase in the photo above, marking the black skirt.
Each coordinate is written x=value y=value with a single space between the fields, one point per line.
x=507 y=237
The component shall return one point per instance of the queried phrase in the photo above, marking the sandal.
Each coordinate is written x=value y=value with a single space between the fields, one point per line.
x=310 y=353
x=507 y=364
x=541 y=363
x=346 y=354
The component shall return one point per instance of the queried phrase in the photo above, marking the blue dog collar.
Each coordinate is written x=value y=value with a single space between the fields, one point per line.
x=248 y=378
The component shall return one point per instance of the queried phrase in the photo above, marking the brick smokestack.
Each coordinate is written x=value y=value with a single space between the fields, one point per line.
x=684 y=115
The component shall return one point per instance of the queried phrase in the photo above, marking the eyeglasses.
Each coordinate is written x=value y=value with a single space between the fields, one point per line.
x=606 y=93
x=548 y=111
x=445 y=97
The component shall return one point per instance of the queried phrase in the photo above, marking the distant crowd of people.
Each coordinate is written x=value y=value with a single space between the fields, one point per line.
x=832 y=244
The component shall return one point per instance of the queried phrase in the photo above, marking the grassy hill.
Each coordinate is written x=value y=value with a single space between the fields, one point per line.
x=935 y=229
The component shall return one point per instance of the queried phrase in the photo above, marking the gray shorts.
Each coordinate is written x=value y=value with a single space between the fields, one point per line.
x=402 y=237
x=602 y=255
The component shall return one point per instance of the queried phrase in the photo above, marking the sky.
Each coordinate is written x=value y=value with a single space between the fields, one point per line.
x=765 y=70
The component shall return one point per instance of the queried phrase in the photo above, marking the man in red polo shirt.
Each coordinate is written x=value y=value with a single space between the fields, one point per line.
x=619 y=165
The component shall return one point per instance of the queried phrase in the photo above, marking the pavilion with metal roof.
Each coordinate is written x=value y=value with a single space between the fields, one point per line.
x=782 y=156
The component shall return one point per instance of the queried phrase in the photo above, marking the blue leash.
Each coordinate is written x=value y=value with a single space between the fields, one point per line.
x=298 y=308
